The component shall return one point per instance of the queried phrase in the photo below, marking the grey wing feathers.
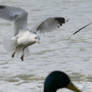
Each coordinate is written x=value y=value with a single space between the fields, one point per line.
x=18 y=15
x=51 y=24
x=21 y=22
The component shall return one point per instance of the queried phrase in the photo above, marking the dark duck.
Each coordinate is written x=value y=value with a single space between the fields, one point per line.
x=58 y=79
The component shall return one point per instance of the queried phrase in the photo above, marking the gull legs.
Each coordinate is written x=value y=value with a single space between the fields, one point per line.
x=13 y=54
x=22 y=56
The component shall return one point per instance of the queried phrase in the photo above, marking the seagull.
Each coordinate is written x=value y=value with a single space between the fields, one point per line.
x=59 y=79
x=24 y=37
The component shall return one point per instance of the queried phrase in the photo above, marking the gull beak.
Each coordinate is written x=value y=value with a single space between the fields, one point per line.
x=72 y=87
x=38 y=41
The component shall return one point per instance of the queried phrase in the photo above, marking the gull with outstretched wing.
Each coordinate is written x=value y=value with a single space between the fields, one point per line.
x=23 y=37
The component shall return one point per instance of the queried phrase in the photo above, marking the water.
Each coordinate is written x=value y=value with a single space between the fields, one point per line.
x=74 y=56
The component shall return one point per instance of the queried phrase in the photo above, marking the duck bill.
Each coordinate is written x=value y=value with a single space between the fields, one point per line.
x=72 y=87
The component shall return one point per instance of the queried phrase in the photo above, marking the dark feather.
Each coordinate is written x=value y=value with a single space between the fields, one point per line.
x=2 y=6
x=60 y=20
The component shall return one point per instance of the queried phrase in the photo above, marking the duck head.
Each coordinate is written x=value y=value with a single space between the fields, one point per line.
x=56 y=80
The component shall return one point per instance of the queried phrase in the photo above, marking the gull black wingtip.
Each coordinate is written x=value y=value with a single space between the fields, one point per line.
x=61 y=20
x=2 y=6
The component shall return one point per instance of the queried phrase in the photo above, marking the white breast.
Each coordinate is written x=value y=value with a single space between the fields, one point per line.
x=25 y=38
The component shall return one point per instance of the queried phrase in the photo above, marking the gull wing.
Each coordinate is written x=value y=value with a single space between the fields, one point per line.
x=18 y=15
x=50 y=24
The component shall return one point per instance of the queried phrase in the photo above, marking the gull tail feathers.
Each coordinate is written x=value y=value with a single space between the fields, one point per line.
x=9 y=42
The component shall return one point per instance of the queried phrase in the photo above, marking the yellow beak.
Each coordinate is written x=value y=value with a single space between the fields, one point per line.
x=72 y=87
x=38 y=41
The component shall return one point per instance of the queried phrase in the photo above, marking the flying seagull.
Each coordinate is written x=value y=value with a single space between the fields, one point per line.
x=24 y=37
